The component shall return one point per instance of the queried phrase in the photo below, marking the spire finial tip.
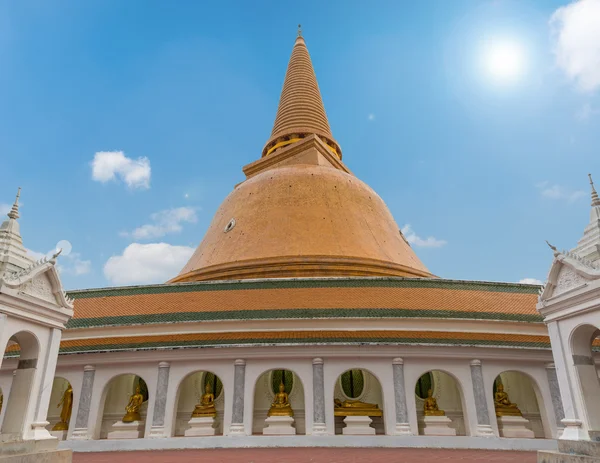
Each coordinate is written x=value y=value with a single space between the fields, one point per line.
x=299 y=30
x=14 y=212
x=595 y=197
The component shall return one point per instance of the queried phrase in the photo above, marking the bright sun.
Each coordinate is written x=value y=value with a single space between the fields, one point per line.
x=504 y=60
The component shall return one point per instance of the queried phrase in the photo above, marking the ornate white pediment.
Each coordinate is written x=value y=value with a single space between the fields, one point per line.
x=40 y=281
x=568 y=272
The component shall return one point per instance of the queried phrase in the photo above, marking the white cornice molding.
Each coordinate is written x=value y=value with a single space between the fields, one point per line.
x=408 y=353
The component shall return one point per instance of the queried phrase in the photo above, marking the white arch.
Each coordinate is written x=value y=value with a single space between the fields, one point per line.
x=375 y=375
x=179 y=385
x=20 y=399
x=581 y=340
x=265 y=371
x=459 y=386
x=101 y=406
x=539 y=383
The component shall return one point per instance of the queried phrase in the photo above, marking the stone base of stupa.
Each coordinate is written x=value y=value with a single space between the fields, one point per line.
x=120 y=430
x=201 y=426
x=514 y=426
x=438 y=426
x=358 y=426
x=279 y=426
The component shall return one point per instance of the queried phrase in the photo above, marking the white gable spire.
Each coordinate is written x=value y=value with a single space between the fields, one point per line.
x=13 y=255
x=588 y=246
x=595 y=198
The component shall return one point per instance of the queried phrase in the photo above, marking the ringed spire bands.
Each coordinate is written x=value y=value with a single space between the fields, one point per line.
x=301 y=111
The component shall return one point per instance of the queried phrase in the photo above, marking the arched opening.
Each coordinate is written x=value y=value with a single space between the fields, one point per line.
x=518 y=406
x=583 y=342
x=124 y=408
x=25 y=347
x=271 y=391
x=440 y=407
x=194 y=401
x=358 y=403
x=60 y=407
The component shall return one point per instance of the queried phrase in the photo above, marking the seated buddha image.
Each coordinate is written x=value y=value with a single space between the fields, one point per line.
x=133 y=407
x=502 y=404
x=281 y=404
x=206 y=407
x=430 y=407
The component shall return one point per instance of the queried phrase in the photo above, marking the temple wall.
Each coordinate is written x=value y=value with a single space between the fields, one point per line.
x=524 y=376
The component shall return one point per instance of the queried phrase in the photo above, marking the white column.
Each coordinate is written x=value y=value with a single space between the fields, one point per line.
x=319 y=426
x=402 y=425
x=484 y=428
x=237 y=415
x=85 y=399
x=559 y=413
x=42 y=399
x=160 y=401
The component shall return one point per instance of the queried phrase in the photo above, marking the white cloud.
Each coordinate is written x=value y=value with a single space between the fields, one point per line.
x=559 y=192
x=108 y=165
x=576 y=30
x=414 y=239
x=75 y=265
x=164 y=222
x=147 y=263
x=4 y=209
x=531 y=281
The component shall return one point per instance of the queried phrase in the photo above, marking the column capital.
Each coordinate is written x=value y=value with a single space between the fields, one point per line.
x=164 y=364
x=550 y=366
x=239 y=362
x=317 y=361
x=475 y=363
x=398 y=361
x=89 y=368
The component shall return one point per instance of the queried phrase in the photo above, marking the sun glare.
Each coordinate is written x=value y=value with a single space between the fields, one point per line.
x=504 y=60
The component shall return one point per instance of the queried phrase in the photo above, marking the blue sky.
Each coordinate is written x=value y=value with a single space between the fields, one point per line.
x=487 y=167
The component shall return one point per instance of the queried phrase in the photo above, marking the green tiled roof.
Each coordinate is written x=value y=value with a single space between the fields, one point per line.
x=382 y=282
x=296 y=314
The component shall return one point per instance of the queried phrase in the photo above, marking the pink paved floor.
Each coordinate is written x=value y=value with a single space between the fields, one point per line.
x=312 y=455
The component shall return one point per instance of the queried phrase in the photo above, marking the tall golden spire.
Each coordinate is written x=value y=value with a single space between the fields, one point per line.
x=301 y=111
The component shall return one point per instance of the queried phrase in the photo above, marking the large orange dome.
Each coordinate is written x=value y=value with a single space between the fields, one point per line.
x=302 y=220
x=300 y=212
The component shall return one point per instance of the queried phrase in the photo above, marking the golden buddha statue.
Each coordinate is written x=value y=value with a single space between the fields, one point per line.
x=133 y=407
x=67 y=408
x=430 y=407
x=281 y=405
x=206 y=407
x=504 y=407
x=355 y=408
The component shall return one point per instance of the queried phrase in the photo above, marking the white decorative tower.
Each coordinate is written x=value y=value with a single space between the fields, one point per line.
x=34 y=310
x=570 y=304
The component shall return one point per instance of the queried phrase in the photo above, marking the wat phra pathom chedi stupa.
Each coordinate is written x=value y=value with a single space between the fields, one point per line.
x=306 y=316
